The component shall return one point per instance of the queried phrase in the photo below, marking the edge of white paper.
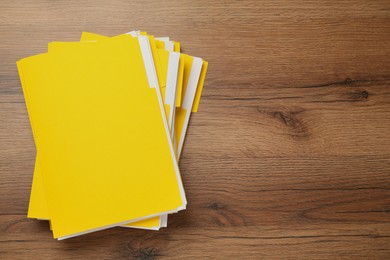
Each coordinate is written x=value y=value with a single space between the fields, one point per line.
x=171 y=88
x=189 y=98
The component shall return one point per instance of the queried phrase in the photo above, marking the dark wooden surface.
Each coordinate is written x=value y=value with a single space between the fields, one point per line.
x=288 y=157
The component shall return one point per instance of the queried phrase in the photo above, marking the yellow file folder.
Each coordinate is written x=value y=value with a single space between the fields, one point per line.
x=83 y=136
x=38 y=208
x=193 y=80
x=38 y=205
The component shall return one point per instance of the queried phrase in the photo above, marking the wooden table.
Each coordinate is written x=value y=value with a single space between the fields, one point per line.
x=288 y=157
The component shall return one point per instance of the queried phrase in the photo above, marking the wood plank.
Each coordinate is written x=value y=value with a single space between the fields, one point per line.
x=306 y=239
x=288 y=156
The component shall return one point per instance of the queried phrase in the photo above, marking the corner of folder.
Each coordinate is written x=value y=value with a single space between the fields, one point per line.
x=200 y=86
x=176 y=46
x=19 y=66
x=85 y=36
x=88 y=36
x=179 y=89
x=51 y=46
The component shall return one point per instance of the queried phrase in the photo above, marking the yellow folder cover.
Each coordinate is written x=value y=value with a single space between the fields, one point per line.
x=38 y=205
x=96 y=137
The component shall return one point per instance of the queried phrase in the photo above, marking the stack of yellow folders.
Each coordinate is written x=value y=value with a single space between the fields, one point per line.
x=109 y=116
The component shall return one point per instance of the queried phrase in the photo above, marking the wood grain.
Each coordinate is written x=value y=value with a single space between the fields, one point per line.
x=288 y=156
